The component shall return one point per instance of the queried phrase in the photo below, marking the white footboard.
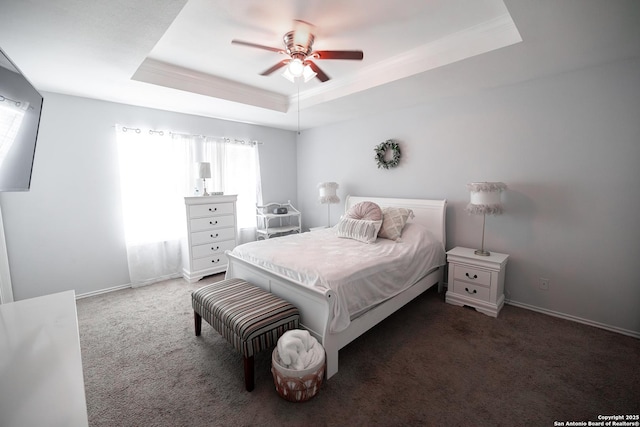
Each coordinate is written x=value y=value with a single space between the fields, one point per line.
x=315 y=306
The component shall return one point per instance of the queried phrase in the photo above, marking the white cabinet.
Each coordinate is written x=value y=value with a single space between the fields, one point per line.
x=476 y=281
x=211 y=230
x=41 y=364
x=270 y=223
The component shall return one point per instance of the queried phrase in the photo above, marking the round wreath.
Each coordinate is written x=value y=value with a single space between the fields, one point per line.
x=381 y=153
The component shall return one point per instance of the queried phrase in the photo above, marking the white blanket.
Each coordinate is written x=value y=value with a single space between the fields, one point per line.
x=362 y=275
x=298 y=350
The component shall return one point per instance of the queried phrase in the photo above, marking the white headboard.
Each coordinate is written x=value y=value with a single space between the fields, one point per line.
x=429 y=213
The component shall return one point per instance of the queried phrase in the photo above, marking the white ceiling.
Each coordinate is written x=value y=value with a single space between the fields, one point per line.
x=177 y=54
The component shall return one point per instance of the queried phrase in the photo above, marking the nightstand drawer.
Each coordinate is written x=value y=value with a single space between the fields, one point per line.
x=481 y=293
x=472 y=275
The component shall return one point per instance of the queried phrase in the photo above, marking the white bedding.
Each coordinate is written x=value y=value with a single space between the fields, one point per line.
x=361 y=275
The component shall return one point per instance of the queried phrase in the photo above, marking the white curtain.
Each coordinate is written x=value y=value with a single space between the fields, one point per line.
x=235 y=169
x=157 y=170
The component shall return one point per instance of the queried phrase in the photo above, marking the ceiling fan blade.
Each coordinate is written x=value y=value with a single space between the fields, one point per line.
x=275 y=67
x=259 y=46
x=338 y=54
x=320 y=74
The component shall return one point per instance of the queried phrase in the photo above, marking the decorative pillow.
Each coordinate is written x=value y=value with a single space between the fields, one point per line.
x=365 y=210
x=393 y=221
x=358 y=229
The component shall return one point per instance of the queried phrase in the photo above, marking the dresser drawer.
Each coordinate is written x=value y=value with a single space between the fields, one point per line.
x=197 y=211
x=213 y=261
x=212 y=222
x=201 y=251
x=203 y=237
x=472 y=275
x=481 y=293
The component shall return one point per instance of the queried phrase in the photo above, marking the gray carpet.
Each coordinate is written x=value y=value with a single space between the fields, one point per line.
x=429 y=364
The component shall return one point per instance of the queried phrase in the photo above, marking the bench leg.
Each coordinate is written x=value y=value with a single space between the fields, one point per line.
x=197 y=321
x=248 y=373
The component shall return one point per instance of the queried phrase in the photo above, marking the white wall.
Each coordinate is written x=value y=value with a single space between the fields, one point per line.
x=67 y=232
x=568 y=147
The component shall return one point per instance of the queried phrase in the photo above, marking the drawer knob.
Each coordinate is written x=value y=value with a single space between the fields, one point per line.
x=213 y=222
x=475 y=276
x=213 y=210
x=215 y=249
x=215 y=260
x=216 y=235
x=468 y=291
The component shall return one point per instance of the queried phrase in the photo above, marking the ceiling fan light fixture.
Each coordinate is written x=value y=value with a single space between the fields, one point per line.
x=306 y=75
x=295 y=67
x=299 y=48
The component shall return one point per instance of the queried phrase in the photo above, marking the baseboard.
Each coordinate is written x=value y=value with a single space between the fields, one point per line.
x=622 y=331
x=610 y=328
x=103 y=291
x=129 y=285
x=156 y=280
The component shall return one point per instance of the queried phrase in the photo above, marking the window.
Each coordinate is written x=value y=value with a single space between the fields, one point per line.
x=157 y=170
x=10 y=121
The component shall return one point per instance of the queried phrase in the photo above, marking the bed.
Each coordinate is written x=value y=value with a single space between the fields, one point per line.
x=394 y=272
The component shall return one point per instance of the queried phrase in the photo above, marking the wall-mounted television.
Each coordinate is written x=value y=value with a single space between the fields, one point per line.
x=20 y=107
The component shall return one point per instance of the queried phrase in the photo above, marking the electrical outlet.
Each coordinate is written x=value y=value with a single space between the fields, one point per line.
x=543 y=284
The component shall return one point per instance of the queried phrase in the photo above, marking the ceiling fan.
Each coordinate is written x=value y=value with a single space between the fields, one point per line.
x=299 y=49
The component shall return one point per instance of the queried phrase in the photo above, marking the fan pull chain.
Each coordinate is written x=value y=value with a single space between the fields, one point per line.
x=298 y=106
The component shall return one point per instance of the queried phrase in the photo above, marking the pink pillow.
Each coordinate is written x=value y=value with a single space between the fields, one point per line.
x=368 y=211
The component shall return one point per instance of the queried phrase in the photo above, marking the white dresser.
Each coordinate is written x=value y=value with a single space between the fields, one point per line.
x=211 y=230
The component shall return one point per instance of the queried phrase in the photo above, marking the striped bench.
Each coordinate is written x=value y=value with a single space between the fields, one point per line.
x=250 y=318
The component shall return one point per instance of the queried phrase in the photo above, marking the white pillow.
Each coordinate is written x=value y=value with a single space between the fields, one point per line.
x=393 y=221
x=361 y=230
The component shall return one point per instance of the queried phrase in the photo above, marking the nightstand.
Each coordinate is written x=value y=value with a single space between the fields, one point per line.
x=476 y=281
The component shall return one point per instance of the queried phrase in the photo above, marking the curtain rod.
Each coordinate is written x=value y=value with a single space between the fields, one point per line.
x=18 y=103
x=225 y=139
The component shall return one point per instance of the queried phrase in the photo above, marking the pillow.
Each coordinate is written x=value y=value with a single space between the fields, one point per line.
x=393 y=221
x=365 y=210
x=361 y=230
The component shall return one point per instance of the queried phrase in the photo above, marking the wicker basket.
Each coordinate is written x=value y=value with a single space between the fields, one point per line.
x=296 y=386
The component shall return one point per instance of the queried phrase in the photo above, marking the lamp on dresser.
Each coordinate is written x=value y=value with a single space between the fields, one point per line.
x=328 y=196
x=485 y=199
x=204 y=172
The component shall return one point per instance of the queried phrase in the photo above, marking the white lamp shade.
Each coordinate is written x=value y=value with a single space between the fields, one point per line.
x=204 y=170
x=287 y=75
x=328 y=193
x=308 y=73
x=485 y=197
